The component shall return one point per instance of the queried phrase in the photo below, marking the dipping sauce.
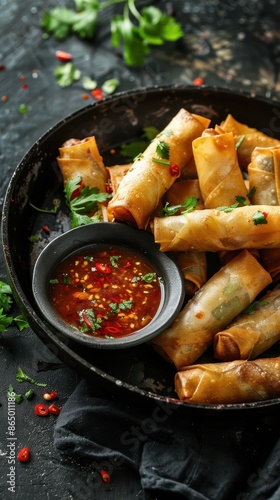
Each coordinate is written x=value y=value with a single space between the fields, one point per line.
x=110 y=291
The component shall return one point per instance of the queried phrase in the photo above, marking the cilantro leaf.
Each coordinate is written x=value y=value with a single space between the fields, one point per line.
x=156 y=27
x=125 y=33
x=252 y=192
x=136 y=147
x=187 y=206
x=18 y=398
x=66 y=74
x=259 y=218
x=21 y=322
x=85 y=203
x=62 y=22
x=163 y=149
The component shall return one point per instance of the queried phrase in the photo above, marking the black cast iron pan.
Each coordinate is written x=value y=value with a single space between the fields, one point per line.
x=138 y=372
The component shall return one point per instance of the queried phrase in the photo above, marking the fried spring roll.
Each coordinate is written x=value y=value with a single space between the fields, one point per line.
x=230 y=383
x=220 y=177
x=213 y=307
x=250 y=226
x=150 y=176
x=250 y=137
x=192 y=264
x=252 y=332
x=116 y=174
x=264 y=176
x=81 y=158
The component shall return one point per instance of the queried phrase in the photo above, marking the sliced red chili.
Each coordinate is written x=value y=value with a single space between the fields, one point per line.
x=23 y=454
x=112 y=330
x=86 y=320
x=48 y=396
x=103 y=268
x=265 y=214
x=198 y=81
x=54 y=409
x=46 y=229
x=174 y=170
x=41 y=410
x=106 y=478
x=61 y=55
x=97 y=94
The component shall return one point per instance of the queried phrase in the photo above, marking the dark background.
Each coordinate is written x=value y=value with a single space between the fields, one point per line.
x=230 y=44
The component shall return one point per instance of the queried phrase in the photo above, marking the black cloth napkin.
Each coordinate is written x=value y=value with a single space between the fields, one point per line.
x=198 y=458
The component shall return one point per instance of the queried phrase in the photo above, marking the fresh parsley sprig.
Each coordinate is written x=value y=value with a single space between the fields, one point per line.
x=85 y=203
x=133 y=31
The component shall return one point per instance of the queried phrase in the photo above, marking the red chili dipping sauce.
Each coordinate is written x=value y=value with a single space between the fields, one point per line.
x=106 y=292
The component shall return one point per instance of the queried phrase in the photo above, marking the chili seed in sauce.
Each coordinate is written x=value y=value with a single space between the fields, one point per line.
x=106 y=292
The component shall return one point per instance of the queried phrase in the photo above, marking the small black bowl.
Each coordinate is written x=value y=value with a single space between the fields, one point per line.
x=100 y=234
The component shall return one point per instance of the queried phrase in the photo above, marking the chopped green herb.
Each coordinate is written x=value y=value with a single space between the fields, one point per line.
x=110 y=86
x=114 y=259
x=163 y=150
x=251 y=309
x=18 y=398
x=89 y=83
x=86 y=202
x=252 y=192
x=66 y=74
x=22 y=377
x=187 y=206
x=239 y=142
x=54 y=282
x=163 y=162
x=259 y=218
x=134 y=149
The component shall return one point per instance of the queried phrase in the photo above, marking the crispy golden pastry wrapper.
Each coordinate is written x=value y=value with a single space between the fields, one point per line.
x=264 y=176
x=250 y=137
x=252 y=332
x=192 y=264
x=214 y=230
x=212 y=308
x=219 y=174
x=183 y=189
x=230 y=382
x=147 y=181
x=82 y=159
x=116 y=174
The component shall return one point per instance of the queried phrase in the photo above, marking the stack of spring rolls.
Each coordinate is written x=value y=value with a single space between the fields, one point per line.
x=233 y=172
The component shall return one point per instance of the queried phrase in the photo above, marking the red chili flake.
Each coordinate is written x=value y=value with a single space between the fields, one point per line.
x=4 y=98
x=54 y=409
x=23 y=454
x=12 y=200
x=265 y=214
x=2 y=67
x=22 y=78
x=98 y=94
x=85 y=97
x=106 y=478
x=46 y=229
x=103 y=268
x=24 y=87
x=108 y=189
x=48 y=396
x=41 y=410
x=128 y=264
x=198 y=81
x=112 y=151
x=61 y=55
x=174 y=170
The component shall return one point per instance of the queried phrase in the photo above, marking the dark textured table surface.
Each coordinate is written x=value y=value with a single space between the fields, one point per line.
x=230 y=44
